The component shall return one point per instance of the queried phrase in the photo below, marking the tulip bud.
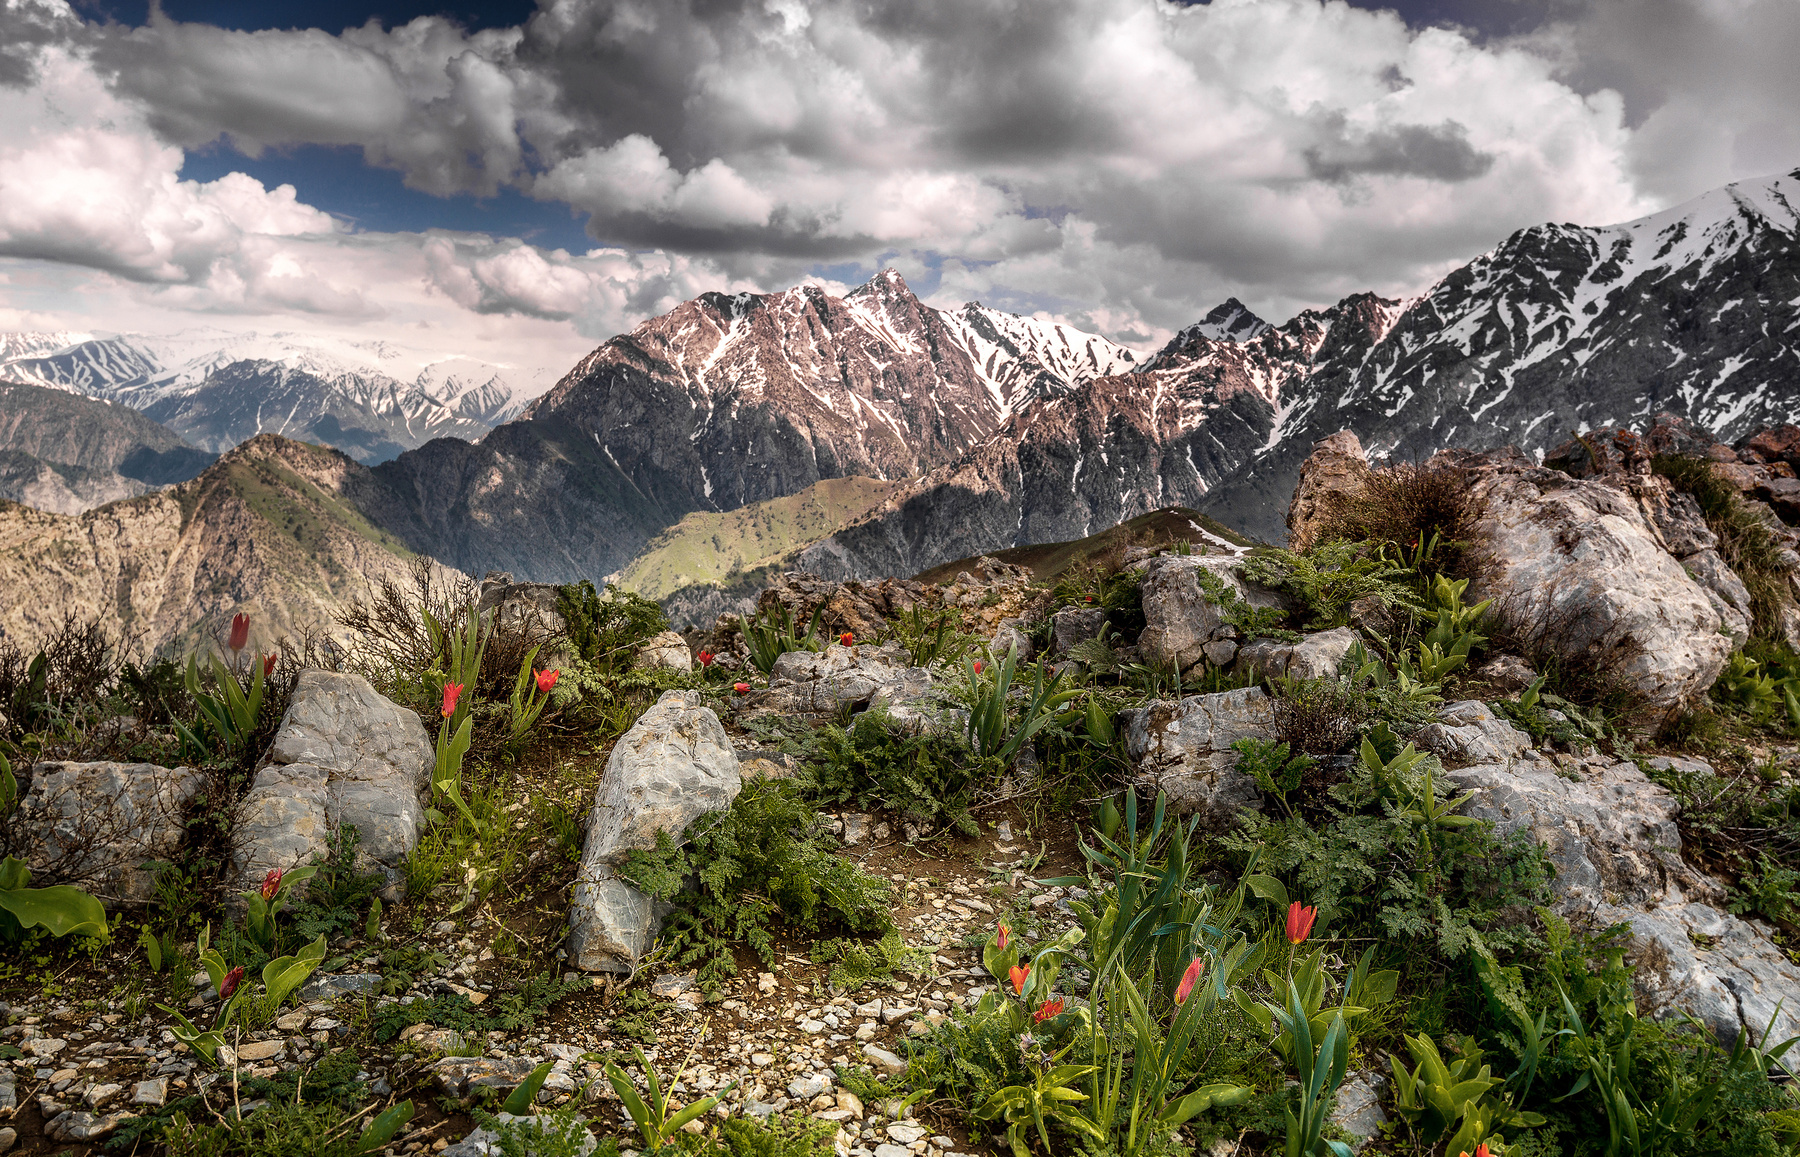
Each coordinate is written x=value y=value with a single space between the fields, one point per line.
x=271 y=883
x=230 y=984
x=706 y=658
x=451 y=692
x=269 y=665
x=240 y=631
x=547 y=680
x=740 y=688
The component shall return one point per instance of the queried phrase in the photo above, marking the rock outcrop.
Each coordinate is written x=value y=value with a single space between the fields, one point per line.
x=857 y=677
x=1334 y=470
x=674 y=766
x=1610 y=833
x=1581 y=564
x=1315 y=656
x=344 y=755
x=96 y=824
x=1184 y=750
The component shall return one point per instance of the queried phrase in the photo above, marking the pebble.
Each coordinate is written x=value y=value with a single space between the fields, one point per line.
x=266 y=1050
x=809 y=1086
x=884 y=1060
x=152 y=1092
x=8 y=1138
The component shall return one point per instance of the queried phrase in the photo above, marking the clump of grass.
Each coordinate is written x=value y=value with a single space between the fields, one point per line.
x=1405 y=505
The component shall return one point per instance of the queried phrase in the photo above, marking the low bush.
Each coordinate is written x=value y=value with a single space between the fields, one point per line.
x=1406 y=506
x=1328 y=577
x=926 y=778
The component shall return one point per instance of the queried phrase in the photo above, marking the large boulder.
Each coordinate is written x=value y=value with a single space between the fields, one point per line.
x=674 y=766
x=344 y=755
x=1332 y=473
x=1580 y=564
x=1184 y=751
x=1072 y=626
x=1181 y=619
x=96 y=824
x=1610 y=834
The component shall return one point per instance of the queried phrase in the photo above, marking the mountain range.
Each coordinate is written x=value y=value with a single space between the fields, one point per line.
x=987 y=430
x=216 y=389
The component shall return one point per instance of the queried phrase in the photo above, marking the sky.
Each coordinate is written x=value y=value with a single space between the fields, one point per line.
x=520 y=181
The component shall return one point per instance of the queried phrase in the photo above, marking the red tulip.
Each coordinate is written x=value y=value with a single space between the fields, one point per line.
x=271 y=884
x=1300 y=922
x=1005 y=935
x=1018 y=974
x=230 y=984
x=978 y=666
x=451 y=692
x=1187 y=981
x=846 y=638
x=706 y=658
x=240 y=631
x=1481 y=1150
x=1047 y=1010
x=547 y=680
x=269 y=665
x=740 y=688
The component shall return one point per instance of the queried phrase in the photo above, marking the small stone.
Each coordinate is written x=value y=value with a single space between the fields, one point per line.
x=866 y=1032
x=850 y=1103
x=45 y=1047
x=672 y=984
x=291 y=1022
x=8 y=1138
x=765 y=982
x=906 y=1132
x=333 y=987
x=266 y=1050
x=812 y=1026
x=891 y=1150
x=884 y=1060
x=895 y=1012
x=100 y=1094
x=1003 y=831
x=152 y=1092
x=807 y=1087
x=761 y=1060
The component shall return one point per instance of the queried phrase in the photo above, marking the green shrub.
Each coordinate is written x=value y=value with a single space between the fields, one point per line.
x=512 y=1010
x=926 y=778
x=1330 y=576
x=733 y=875
x=606 y=629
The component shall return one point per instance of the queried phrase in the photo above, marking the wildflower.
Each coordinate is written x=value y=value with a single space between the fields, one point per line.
x=1018 y=975
x=547 y=680
x=271 y=884
x=740 y=688
x=230 y=984
x=1481 y=1150
x=451 y=692
x=240 y=631
x=1005 y=935
x=1187 y=981
x=1047 y=1010
x=1299 y=922
x=978 y=666
x=269 y=665
x=706 y=658
x=846 y=638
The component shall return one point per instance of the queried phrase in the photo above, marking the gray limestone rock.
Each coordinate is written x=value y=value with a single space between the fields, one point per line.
x=667 y=650
x=1184 y=750
x=344 y=755
x=94 y=823
x=1469 y=732
x=674 y=766
x=1315 y=656
x=1580 y=561
x=1073 y=625
x=860 y=677
x=488 y=1142
x=1357 y=1110
x=1610 y=833
x=1010 y=636
x=1179 y=618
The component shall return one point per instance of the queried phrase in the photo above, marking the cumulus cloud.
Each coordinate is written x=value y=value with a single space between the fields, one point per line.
x=1129 y=162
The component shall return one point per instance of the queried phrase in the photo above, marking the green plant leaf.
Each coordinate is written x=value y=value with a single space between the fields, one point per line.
x=519 y=1102
x=382 y=1129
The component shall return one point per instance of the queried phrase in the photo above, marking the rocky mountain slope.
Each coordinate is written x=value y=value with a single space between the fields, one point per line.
x=730 y=400
x=1695 y=311
x=1563 y=328
x=65 y=453
x=274 y=527
x=370 y=399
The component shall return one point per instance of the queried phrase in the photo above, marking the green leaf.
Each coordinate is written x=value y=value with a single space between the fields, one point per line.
x=61 y=910
x=519 y=1102
x=382 y=1129
x=1269 y=888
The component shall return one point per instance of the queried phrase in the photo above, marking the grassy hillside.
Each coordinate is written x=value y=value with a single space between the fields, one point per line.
x=1158 y=528
x=716 y=549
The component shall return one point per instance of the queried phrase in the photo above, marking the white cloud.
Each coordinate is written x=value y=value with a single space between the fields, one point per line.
x=1132 y=161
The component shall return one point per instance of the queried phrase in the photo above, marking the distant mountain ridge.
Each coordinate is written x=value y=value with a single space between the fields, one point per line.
x=66 y=453
x=371 y=399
